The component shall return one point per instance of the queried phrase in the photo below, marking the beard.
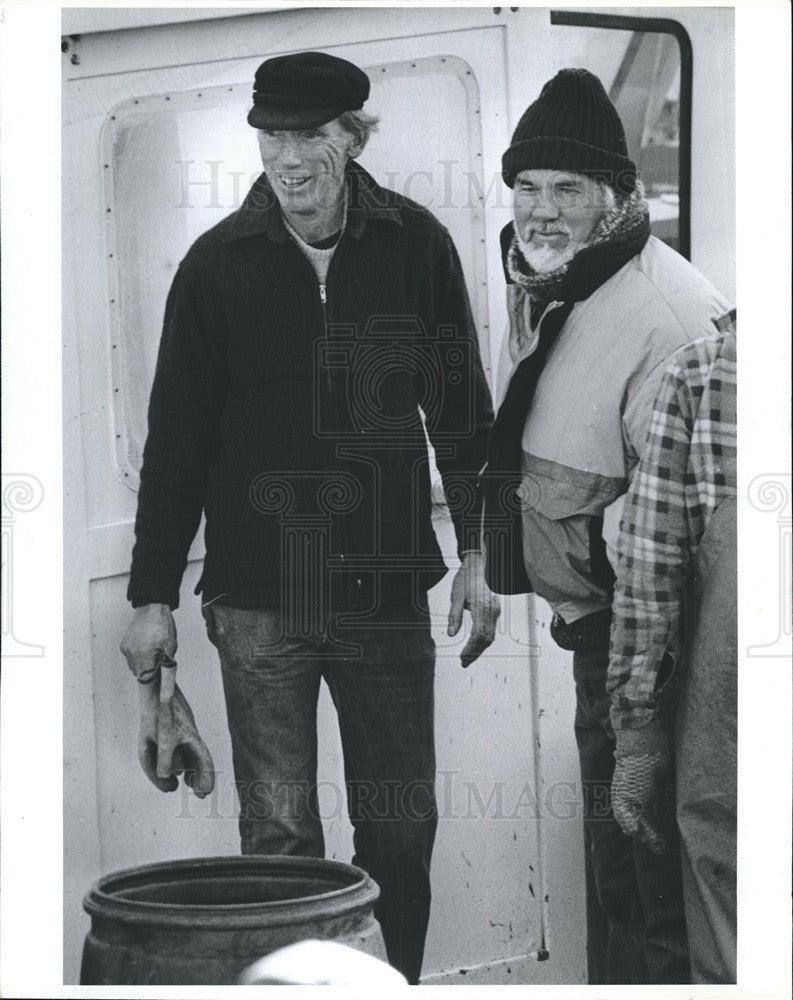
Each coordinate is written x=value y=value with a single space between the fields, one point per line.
x=544 y=259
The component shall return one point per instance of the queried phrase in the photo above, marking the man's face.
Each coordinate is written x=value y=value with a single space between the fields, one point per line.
x=555 y=214
x=306 y=167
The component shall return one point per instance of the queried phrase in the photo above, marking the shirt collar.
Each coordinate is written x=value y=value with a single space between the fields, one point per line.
x=260 y=213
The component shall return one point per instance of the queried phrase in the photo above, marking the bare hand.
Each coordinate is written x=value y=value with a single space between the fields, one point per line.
x=469 y=591
x=151 y=633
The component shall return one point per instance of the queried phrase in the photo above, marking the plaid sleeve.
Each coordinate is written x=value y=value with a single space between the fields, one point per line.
x=651 y=559
x=675 y=488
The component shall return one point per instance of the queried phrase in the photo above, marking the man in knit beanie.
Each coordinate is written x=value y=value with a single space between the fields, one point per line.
x=597 y=306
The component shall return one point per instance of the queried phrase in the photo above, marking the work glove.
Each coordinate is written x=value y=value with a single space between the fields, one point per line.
x=641 y=788
x=168 y=741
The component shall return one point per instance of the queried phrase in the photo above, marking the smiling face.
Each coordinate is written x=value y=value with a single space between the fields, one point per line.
x=305 y=168
x=555 y=214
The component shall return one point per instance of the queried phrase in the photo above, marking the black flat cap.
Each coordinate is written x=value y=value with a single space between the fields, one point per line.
x=305 y=90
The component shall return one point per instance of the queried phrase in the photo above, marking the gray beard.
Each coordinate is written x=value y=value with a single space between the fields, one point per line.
x=545 y=259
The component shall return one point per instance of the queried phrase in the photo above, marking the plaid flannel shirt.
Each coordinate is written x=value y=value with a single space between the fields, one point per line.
x=687 y=469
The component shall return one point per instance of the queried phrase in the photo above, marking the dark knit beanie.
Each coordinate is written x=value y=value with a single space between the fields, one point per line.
x=572 y=126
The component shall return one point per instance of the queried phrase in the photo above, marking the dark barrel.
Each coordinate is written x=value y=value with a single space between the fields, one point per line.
x=204 y=920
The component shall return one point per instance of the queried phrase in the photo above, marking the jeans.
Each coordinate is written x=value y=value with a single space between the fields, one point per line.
x=636 y=930
x=381 y=682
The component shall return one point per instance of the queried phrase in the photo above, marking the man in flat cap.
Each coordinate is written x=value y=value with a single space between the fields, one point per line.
x=597 y=307
x=302 y=337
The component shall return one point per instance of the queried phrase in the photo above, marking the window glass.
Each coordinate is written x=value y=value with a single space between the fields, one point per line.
x=177 y=164
x=641 y=73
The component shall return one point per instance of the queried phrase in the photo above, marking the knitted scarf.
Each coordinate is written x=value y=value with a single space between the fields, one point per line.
x=626 y=225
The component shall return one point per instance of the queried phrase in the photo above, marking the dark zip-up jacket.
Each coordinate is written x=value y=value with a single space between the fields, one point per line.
x=289 y=412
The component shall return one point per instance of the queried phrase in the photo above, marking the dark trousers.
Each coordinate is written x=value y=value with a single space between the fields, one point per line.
x=381 y=682
x=636 y=929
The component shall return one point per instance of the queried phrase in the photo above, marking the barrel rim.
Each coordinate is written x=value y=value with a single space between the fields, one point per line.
x=100 y=903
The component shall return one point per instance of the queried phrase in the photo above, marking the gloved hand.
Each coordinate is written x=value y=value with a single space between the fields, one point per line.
x=641 y=786
x=168 y=741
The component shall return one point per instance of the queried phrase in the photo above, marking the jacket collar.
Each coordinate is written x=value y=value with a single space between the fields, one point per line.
x=260 y=213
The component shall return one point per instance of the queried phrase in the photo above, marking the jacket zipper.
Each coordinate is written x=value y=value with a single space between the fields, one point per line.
x=323 y=297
